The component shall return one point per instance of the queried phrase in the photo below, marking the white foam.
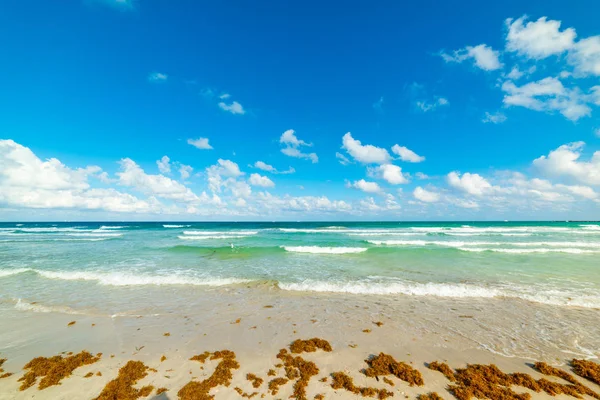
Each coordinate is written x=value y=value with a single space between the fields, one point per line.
x=591 y=227
x=324 y=250
x=10 y=272
x=468 y=244
x=113 y=227
x=213 y=233
x=45 y=239
x=25 y=306
x=129 y=279
x=526 y=251
x=189 y=237
x=176 y=226
x=394 y=287
x=94 y=234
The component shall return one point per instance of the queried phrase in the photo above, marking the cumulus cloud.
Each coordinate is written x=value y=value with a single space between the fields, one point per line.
x=164 y=165
x=28 y=182
x=389 y=172
x=366 y=154
x=366 y=186
x=473 y=184
x=132 y=175
x=234 y=107
x=564 y=162
x=200 y=143
x=185 y=171
x=259 y=180
x=342 y=159
x=425 y=196
x=493 y=118
x=585 y=56
x=549 y=95
x=538 y=39
x=483 y=56
x=407 y=154
x=292 y=146
x=426 y=106
x=269 y=168
x=157 y=77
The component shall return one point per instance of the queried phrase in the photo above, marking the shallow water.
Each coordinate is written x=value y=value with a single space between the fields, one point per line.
x=551 y=263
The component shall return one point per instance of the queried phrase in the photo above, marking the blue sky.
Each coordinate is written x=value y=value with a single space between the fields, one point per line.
x=456 y=110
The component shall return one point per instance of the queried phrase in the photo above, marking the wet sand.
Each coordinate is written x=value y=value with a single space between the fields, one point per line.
x=257 y=324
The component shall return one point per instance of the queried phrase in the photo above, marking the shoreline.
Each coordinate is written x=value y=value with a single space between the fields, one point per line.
x=257 y=324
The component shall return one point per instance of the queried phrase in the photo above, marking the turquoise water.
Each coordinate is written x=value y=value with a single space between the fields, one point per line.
x=551 y=263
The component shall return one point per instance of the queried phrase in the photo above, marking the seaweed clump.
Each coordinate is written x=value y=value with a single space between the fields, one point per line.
x=122 y=386
x=244 y=394
x=275 y=383
x=310 y=346
x=53 y=369
x=221 y=377
x=2 y=373
x=384 y=364
x=298 y=368
x=343 y=381
x=443 y=368
x=551 y=371
x=256 y=381
x=430 y=396
x=587 y=369
x=161 y=390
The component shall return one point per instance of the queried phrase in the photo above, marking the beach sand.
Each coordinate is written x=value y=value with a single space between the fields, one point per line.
x=257 y=324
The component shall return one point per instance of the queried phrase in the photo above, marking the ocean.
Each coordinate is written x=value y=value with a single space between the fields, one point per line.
x=60 y=264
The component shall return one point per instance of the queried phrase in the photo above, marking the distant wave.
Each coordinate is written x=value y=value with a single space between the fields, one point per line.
x=324 y=250
x=114 y=227
x=10 y=272
x=127 y=279
x=176 y=226
x=25 y=306
x=468 y=244
x=198 y=233
x=206 y=237
x=455 y=290
x=46 y=239
x=526 y=251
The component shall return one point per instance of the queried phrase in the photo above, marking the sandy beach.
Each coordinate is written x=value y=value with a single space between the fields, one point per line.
x=256 y=324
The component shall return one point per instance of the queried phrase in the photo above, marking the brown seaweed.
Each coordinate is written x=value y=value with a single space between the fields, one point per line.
x=342 y=381
x=53 y=369
x=384 y=364
x=587 y=369
x=222 y=376
x=256 y=381
x=310 y=346
x=443 y=368
x=122 y=386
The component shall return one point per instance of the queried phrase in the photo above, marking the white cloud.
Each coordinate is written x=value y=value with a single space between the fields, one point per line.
x=269 y=168
x=539 y=39
x=133 y=175
x=425 y=195
x=406 y=154
x=234 y=108
x=157 y=77
x=292 y=146
x=224 y=96
x=259 y=180
x=366 y=154
x=185 y=171
x=422 y=176
x=366 y=186
x=426 y=106
x=495 y=118
x=223 y=175
x=483 y=56
x=289 y=138
x=563 y=162
x=548 y=95
x=585 y=56
x=163 y=165
x=473 y=184
x=200 y=143
x=342 y=159
x=389 y=172
x=264 y=166
x=515 y=73
x=28 y=182
x=124 y=5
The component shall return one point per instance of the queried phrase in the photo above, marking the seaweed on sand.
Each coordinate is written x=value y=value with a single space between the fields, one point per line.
x=384 y=364
x=342 y=381
x=587 y=369
x=222 y=376
x=122 y=386
x=53 y=369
